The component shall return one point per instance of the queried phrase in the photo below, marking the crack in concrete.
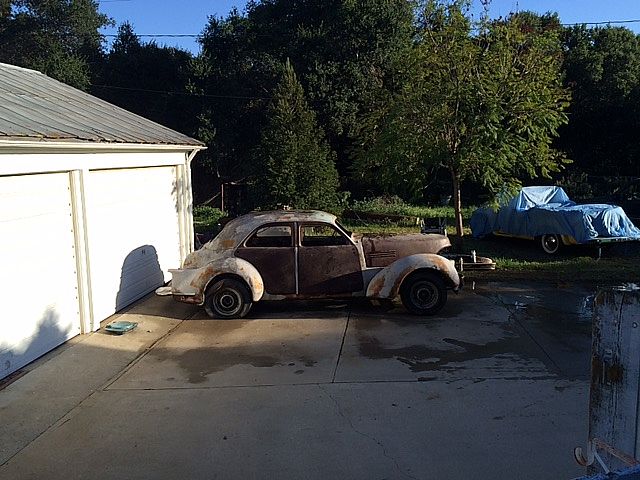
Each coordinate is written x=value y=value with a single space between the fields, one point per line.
x=513 y=317
x=367 y=436
x=344 y=336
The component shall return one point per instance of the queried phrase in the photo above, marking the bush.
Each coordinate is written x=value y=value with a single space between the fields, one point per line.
x=205 y=219
x=393 y=205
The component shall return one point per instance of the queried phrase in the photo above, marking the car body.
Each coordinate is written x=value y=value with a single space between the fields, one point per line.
x=284 y=254
x=546 y=214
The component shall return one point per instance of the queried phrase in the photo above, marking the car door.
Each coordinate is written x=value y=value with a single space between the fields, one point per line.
x=271 y=250
x=328 y=261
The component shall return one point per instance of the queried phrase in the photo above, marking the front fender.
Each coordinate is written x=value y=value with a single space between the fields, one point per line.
x=193 y=282
x=386 y=283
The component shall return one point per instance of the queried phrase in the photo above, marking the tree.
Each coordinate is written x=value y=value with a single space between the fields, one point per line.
x=297 y=164
x=344 y=52
x=602 y=68
x=482 y=101
x=60 y=38
x=148 y=79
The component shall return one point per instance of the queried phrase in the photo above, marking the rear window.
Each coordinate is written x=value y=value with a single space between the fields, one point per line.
x=273 y=236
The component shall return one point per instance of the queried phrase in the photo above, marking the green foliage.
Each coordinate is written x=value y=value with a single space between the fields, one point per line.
x=57 y=37
x=147 y=79
x=482 y=101
x=603 y=71
x=394 y=205
x=205 y=218
x=342 y=50
x=297 y=164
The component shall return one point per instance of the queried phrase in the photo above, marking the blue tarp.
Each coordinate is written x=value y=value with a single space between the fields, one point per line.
x=537 y=211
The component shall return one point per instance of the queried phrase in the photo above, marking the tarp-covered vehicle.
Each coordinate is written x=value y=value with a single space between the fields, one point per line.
x=548 y=215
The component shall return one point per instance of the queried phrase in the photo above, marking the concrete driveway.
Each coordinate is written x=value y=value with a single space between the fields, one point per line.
x=494 y=387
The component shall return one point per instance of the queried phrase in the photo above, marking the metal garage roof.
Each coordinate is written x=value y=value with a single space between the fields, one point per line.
x=36 y=107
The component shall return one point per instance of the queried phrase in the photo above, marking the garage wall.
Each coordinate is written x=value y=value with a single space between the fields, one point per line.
x=133 y=233
x=83 y=238
x=40 y=308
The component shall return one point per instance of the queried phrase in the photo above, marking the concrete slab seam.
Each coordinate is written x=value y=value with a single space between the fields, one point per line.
x=338 y=382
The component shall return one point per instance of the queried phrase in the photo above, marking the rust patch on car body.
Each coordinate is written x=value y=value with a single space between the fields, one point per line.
x=387 y=282
x=381 y=251
x=193 y=282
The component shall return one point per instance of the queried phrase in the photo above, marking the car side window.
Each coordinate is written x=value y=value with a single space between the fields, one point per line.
x=321 y=235
x=271 y=236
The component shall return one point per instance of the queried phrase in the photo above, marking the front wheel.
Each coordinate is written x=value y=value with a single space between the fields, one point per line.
x=227 y=298
x=550 y=243
x=423 y=293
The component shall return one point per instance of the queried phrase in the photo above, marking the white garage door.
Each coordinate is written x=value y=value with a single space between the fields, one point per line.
x=38 y=280
x=134 y=235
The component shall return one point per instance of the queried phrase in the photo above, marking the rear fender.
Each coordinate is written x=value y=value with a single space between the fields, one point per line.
x=386 y=283
x=193 y=282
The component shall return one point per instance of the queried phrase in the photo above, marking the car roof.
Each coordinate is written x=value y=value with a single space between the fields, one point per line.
x=237 y=229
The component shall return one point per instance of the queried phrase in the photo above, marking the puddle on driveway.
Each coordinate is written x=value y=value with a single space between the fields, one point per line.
x=455 y=354
x=198 y=363
x=563 y=300
x=527 y=325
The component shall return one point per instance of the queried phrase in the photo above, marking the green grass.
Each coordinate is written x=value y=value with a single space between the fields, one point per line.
x=395 y=206
x=524 y=260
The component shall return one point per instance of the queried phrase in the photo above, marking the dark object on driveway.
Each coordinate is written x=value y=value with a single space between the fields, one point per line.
x=547 y=215
x=308 y=255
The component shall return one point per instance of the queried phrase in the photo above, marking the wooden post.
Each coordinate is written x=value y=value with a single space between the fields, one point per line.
x=614 y=405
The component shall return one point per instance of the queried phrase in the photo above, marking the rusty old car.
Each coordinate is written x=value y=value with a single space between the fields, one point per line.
x=280 y=255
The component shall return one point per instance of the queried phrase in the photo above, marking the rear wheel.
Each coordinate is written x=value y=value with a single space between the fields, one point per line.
x=423 y=293
x=550 y=243
x=227 y=298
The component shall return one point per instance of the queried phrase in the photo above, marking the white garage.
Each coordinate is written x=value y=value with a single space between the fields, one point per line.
x=95 y=208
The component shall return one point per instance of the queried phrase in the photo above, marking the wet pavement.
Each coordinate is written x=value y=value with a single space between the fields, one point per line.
x=496 y=386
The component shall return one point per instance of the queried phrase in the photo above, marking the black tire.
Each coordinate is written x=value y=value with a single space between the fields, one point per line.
x=423 y=293
x=227 y=298
x=550 y=243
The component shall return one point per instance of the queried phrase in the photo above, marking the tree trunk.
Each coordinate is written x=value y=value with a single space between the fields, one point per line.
x=457 y=202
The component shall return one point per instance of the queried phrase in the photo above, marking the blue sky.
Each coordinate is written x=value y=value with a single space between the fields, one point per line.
x=190 y=16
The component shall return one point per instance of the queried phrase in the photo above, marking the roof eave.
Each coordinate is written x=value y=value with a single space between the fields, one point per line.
x=93 y=146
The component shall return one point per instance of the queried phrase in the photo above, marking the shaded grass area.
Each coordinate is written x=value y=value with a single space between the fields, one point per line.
x=524 y=260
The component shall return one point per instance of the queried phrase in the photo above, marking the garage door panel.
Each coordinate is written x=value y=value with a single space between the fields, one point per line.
x=40 y=289
x=134 y=235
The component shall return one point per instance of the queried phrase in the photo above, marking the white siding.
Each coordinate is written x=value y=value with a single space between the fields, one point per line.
x=133 y=234
x=39 y=281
